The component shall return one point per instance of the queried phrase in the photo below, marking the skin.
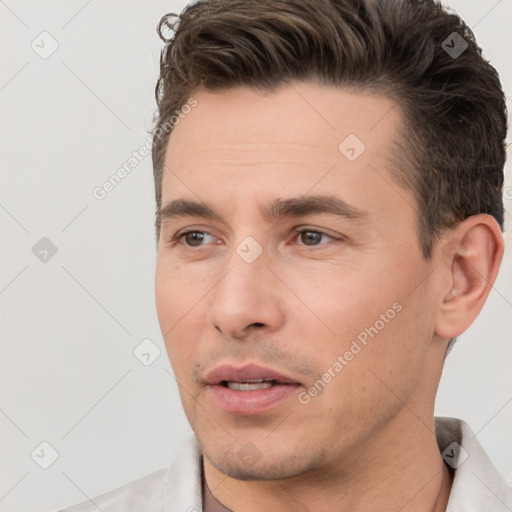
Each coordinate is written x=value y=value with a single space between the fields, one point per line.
x=367 y=439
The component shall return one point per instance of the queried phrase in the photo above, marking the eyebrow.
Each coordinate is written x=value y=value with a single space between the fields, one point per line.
x=278 y=208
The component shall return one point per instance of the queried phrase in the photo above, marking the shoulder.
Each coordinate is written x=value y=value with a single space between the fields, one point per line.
x=143 y=494
x=477 y=484
x=176 y=488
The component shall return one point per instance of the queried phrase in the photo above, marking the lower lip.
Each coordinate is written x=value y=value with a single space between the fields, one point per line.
x=256 y=401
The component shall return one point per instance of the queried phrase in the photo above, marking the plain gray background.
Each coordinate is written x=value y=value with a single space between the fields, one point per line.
x=69 y=325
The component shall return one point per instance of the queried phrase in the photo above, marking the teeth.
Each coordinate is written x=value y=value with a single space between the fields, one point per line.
x=250 y=385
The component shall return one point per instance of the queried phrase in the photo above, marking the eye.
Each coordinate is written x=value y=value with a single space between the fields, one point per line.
x=308 y=237
x=311 y=237
x=193 y=238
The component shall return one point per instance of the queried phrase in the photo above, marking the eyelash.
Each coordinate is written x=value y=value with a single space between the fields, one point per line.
x=177 y=238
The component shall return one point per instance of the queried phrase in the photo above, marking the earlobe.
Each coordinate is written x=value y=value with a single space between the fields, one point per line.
x=471 y=255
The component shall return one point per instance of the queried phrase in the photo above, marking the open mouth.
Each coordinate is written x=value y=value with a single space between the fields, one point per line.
x=250 y=389
x=249 y=385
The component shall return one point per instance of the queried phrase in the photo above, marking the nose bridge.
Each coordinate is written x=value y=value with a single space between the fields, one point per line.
x=245 y=275
x=245 y=295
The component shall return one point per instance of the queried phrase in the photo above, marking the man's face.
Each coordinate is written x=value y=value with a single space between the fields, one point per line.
x=248 y=288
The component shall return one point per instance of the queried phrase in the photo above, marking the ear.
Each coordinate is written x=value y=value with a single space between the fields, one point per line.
x=470 y=256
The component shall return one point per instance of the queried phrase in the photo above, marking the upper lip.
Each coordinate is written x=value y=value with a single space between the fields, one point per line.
x=227 y=372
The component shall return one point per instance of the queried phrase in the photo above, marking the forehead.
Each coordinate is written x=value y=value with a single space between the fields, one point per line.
x=295 y=138
x=298 y=112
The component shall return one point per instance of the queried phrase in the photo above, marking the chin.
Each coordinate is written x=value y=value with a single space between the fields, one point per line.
x=250 y=464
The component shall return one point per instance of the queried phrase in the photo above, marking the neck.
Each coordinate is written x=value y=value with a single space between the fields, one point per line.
x=398 y=469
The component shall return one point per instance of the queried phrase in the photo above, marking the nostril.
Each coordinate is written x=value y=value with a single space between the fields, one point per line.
x=258 y=324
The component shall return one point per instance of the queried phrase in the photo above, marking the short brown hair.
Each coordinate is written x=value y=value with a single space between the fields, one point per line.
x=452 y=145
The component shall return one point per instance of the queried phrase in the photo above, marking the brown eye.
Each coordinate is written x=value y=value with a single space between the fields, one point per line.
x=311 y=238
x=193 y=238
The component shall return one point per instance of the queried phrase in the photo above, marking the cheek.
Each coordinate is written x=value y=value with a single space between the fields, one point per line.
x=177 y=299
x=343 y=303
x=177 y=293
x=383 y=354
x=363 y=326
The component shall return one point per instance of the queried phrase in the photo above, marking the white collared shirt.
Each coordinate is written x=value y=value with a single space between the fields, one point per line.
x=477 y=485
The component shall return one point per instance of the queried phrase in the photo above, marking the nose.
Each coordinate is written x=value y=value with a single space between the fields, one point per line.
x=246 y=299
